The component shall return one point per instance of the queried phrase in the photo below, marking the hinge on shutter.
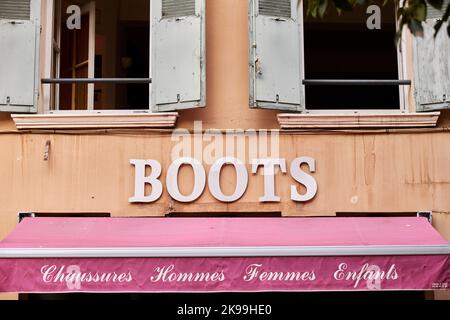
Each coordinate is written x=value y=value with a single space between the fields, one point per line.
x=279 y=19
x=258 y=68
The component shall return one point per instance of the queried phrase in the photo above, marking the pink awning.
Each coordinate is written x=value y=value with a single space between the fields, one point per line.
x=219 y=255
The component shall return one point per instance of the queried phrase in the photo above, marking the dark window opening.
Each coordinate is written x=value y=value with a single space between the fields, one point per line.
x=224 y=215
x=236 y=298
x=342 y=47
x=375 y=214
x=115 y=46
x=134 y=41
x=23 y=215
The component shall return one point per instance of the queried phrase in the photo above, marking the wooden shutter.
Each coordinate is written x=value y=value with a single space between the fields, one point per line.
x=275 y=55
x=433 y=13
x=432 y=65
x=178 y=54
x=19 y=36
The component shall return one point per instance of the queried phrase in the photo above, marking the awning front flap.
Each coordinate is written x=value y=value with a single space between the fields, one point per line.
x=217 y=255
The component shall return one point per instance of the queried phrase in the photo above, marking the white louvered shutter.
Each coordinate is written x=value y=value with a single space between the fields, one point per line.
x=432 y=65
x=275 y=55
x=19 y=36
x=178 y=54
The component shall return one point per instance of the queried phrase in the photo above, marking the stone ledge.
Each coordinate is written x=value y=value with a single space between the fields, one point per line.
x=346 y=121
x=94 y=121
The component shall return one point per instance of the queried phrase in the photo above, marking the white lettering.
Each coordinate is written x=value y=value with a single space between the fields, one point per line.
x=269 y=176
x=140 y=181
x=73 y=276
x=305 y=179
x=199 y=179
x=241 y=179
x=255 y=272
x=270 y=167
x=372 y=274
x=167 y=274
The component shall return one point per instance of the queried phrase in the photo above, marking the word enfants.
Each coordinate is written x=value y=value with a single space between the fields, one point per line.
x=267 y=166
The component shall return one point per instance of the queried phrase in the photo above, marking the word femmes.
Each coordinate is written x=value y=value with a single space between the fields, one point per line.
x=269 y=168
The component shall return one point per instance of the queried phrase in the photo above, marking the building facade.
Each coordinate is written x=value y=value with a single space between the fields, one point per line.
x=222 y=78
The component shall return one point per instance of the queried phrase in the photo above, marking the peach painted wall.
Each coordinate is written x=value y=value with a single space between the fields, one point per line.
x=356 y=172
x=90 y=172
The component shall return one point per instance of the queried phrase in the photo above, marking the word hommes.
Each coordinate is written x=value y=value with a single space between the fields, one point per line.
x=269 y=167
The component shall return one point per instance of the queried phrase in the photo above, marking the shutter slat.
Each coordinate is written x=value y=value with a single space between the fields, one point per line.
x=433 y=13
x=15 y=9
x=432 y=69
x=178 y=8
x=277 y=8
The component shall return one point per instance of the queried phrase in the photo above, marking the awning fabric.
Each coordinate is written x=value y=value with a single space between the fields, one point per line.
x=50 y=255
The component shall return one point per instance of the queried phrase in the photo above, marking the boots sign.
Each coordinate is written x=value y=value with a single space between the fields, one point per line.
x=268 y=167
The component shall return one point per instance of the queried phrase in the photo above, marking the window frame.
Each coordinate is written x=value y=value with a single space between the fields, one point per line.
x=50 y=92
x=51 y=95
x=404 y=49
x=45 y=102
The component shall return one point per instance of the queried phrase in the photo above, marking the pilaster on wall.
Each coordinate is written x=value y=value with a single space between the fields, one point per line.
x=9 y=296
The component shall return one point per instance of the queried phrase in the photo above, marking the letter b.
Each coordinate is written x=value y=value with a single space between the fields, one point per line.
x=141 y=180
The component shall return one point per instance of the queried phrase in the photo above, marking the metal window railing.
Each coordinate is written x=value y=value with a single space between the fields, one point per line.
x=355 y=82
x=95 y=80
x=307 y=82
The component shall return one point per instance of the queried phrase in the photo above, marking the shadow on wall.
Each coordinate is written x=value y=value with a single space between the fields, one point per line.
x=284 y=299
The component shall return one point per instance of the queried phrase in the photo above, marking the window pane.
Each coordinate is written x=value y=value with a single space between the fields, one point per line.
x=115 y=46
x=342 y=47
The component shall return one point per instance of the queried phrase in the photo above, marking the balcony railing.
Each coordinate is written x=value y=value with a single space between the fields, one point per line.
x=307 y=82
x=355 y=82
x=95 y=80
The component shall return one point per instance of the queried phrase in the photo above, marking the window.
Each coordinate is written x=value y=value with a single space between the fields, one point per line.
x=112 y=48
x=299 y=63
x=341 y=47
x=74 y=55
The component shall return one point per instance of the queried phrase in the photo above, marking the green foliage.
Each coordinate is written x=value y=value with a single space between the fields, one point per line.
x=410 y=13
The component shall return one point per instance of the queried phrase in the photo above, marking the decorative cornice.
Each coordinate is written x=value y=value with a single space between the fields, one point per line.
x=95 y=121
x=346 y=121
